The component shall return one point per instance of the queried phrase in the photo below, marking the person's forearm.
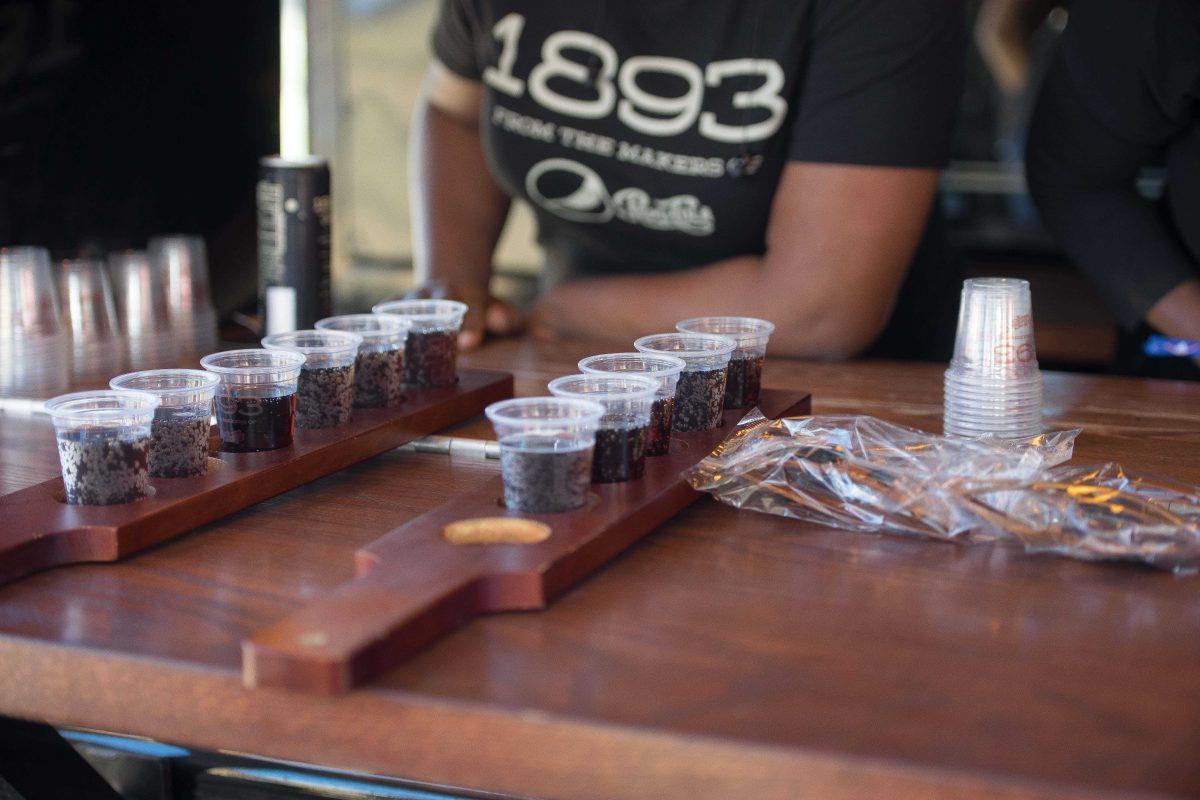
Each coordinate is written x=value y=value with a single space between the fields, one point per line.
x=1177 y=313
x=829 y=288
x=458 y=211
x=622 y=308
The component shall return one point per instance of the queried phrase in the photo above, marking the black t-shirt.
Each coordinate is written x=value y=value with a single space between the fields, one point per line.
x=1123 y=94
x=626 y=124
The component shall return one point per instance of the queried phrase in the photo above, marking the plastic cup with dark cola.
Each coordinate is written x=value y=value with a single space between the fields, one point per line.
x=743 y=382
x=624 y=429
x=664 y=370
x=431 y=350
x=700 y=393
x=325 y=395
x=546 y=446
x=182 y=421
x=256 y=399
x=379 y=367
x=104 y=445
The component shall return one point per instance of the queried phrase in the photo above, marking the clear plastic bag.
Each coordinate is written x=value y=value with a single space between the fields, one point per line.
x=864 y=474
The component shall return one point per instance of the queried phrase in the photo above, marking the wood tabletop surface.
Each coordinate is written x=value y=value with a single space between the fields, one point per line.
x=729 y=654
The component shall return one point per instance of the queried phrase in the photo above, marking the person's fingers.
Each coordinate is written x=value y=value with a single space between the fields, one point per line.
x=473 y=327
x=540 y=327
x=502 y=318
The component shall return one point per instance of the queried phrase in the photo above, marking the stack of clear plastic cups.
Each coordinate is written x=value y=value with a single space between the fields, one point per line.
x=104 y=445
x=97 y=347
x=744 y=374
x=182 y=264
x=326 y=388
x=182 y=421
x=431 y=350
x=35 y=351
x=379 y=368
x=993 y=384
x=142 y=310
x=256 y=399
x=546 y=446
x=700 y=393
x=664 y=370
x=625 y=427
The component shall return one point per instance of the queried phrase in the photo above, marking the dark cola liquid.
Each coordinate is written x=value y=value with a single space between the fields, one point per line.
x=699 y=399
x=378 y=378
x=431 y=359
x=662 y=415
x=743 y=382
x=544 y=481
x=255 y=424
x=101 y=472
x=620 y=454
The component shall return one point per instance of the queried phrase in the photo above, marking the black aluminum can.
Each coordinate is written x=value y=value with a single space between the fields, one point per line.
x=293 y=242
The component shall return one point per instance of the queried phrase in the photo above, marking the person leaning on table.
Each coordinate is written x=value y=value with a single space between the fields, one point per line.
x=775 y=158
x=1124 y=94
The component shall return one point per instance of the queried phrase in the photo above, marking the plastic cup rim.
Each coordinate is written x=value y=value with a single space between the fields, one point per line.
x=399 y=325
x=284 y=360
x=590 y=412
x=642 y=388
x=723 y=345
x=749 y=329
x=59 y=408
x=446 y=309
x=205 y=378
x=672 y=365
x=343 y=342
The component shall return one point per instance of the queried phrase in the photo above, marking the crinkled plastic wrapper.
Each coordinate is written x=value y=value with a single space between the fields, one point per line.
x=864 y=474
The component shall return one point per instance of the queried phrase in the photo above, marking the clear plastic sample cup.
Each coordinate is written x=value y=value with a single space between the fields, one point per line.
x=700 y=394
x=104 y=445
x=663 y=369
x=431 y=351
x=995 y=329
x=993 y=384
x=325 y=396
x=379 y=368
x=625 y=427
x=179 y=433
x=546 y=446
x=744 y=381
x=256 y=399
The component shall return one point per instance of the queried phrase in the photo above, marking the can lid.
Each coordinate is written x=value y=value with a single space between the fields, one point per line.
x=293 y=161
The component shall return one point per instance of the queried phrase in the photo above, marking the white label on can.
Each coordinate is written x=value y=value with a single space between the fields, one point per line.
x=281 y=309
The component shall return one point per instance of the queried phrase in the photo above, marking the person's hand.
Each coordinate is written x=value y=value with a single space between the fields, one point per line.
x=487 y=315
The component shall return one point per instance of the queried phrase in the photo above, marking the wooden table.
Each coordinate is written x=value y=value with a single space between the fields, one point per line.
x=730 y=654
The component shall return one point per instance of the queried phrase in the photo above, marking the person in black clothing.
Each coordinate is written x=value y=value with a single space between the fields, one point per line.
x=777 y=158
x=1122 y=95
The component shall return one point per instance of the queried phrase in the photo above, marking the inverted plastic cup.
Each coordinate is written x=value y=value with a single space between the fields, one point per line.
x=665 y=370
x=379 y=368
x=431 y=351
x=625 y=427
x=546 y=446
x=995 y=329
x=142 y=309
x=325 y=395
x=745 y=365
x=700 y=393
x=182 y=421
x=35 y=355
x=256 y=399
x=103 y=444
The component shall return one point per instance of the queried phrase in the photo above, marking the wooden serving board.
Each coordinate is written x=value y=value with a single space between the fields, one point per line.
x=39 y=530
x=413 y=586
